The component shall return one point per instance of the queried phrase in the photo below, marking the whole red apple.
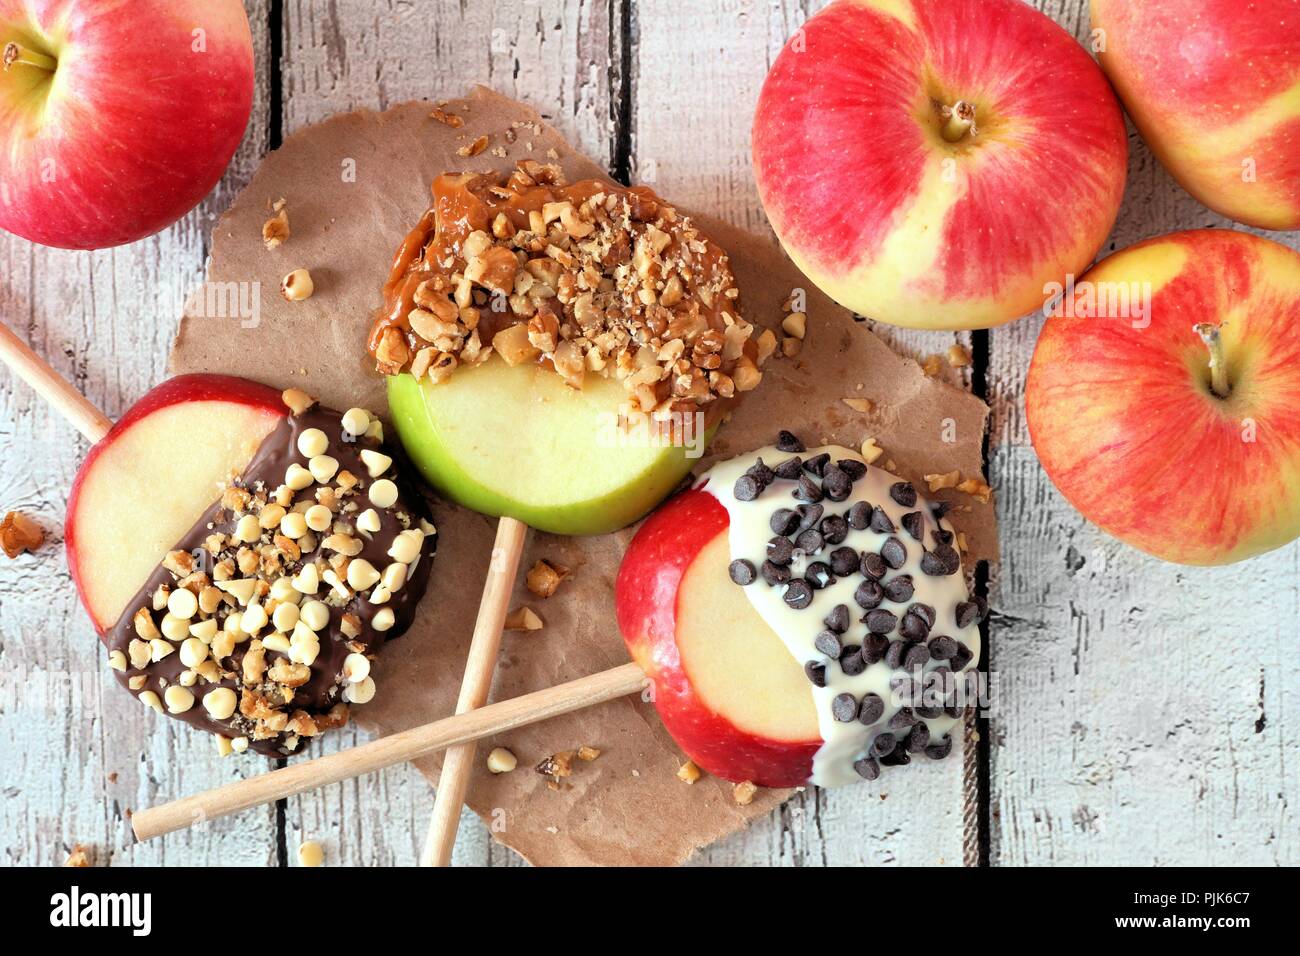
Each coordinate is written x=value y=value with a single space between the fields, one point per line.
x=117 y=118
x=936 y=163
x=1173 y=422
x=1214 y=88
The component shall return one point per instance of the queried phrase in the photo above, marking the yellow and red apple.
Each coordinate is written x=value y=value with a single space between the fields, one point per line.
x=1214 y=88
x=1176 y=426
x=117 y=118
x=936 y=163
x=142 y=488
x=725 y=686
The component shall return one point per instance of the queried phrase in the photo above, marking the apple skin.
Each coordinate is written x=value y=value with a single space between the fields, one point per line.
x=1212 y=84
x=182 y=388
x=645 y=596
x=135 y=127
x=1127 y=426
x=898 y=224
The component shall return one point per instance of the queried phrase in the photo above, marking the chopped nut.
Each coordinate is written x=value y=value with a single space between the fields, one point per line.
x=871 y=451
x=795 y=324
x=688 y=772
x=19 y=533
x=743 y=793
x=860 y=404
x=474 y=148
x=523 y=619
x=501 y=760
x=977 y=488
x=937 y=482
x=297 y=285
x=276 y=229
x=310 y=854
x=588 y=754
x=931 y=365
x=557 y=765
x=543 y=578
x=79 y=857
x=297 y=400
x=958 y=356
x=454 y=120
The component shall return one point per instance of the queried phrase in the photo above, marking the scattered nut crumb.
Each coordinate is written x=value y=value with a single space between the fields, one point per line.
x=19 y=533
x=795 y=324
x=958 y=356
x=296 y=400
x=523 y=619
x=871 y=451
x=557 y=765
x=588 y=754
x=743 y=793
x=474 y=148
x=688 y=772
x=790 y=346
x=937 y=482
x=931 y=365
x=543 y=578
x=276 y=229
x=977 y=488
x=860 y=404
x=449 y=119
x=310 y=854
x=297 y=285
x=80 y=856
x=501 y=760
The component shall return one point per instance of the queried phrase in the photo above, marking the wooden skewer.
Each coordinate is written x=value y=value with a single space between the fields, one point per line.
x=395 y=748
x=51 y=386
x=458 y=762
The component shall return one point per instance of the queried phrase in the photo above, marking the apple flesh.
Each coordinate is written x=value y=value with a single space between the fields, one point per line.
x=147 y=482
x=117 y=118
x=518 y=441
x=1214 y=88
x=921 y=219
x=1140 y=433
x=725 y=685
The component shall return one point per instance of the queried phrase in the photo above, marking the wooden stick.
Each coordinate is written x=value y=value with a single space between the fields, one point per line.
x=50 y=385
x=386 y=751
x=458 y=762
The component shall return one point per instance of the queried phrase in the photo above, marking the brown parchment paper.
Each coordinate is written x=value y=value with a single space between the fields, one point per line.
x=354 y=185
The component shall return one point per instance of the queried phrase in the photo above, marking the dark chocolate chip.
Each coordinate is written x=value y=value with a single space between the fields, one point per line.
x=880 y=621
x=903 y=493
x=819 y=575
x=983 y=604
x=924 y=611
x=961 y=658
x=809 y=515
x=844 y=708
x=914 y=524
x=816 y=673
x=808 y=490
x=894 y=655
x=871 y=709
x=774 y=574
x=967 y=613
x=786 y=441
x=940 y=509
x=918 y=655
x=939 y=749
x=867 y=768
x=852 y=467
x=913 y=627
x=874 y=647
x=844 y=561
x=873 y=566
x=790 y=469
x=810 y=541
x=893 y=553
x=747 y=488
x=880 y=522
x=835 y=528
x=783 y=521
x=882 y=745
x=816 y=464
x=837 y=485
x=780 y=551
x=941 y=536
x=902 y=719
x=859 y=515
x=918 y=738
x=898 y=757
x=828 y=642
x=941 y=561
x=868 y=595
x=900 y=589
x=742 y=571
x=928 y=711
x=851 y=662
x=760 y=473
x=943 y=648
x=838 y=619
x=798 y=594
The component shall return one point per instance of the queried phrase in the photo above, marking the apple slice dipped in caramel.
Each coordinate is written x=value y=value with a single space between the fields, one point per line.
x=803 y=617
x=245 y=555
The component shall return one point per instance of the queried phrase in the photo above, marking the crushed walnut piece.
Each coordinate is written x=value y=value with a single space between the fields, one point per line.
x=557 y=765
x=474 y=148
x=523 y=619
x=931 y=365
x=937 y=482
x=454 y=120
x=977 y=488
x=588 y=754
x=80 y=856
x=743 y=793
x=688 y=772
x=19 y=533
x=544 y=577
x=584 y=278
x=958 y=356
x=276 y=229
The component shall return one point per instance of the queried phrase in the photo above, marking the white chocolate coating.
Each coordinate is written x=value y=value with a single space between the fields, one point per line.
x=843 y=742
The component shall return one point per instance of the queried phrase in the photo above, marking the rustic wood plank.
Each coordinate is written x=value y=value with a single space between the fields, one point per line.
x=1132 y=723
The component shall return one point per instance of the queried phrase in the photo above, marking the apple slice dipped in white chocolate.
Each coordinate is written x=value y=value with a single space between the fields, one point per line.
x=245 y=554
x=804 y=618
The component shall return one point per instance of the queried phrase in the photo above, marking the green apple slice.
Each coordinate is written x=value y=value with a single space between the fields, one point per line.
x=517 y=441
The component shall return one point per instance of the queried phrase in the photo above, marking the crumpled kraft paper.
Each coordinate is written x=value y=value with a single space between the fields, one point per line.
x=354 y=185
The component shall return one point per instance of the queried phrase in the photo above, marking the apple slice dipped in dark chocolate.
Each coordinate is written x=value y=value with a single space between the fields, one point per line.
x=259 y=622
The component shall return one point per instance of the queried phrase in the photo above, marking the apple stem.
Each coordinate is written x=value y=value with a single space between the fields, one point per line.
x=1209 y=334
x=961 y=120
x=15 y=54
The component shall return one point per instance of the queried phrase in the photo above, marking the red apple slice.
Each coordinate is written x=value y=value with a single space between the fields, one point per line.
x=146 y=484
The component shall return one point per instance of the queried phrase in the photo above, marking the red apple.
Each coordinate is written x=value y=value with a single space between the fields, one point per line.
x=725 y=685
x=936 y=163
x=1214 y=87
x=1190 y=462
x=117 y=118
x=147 y=482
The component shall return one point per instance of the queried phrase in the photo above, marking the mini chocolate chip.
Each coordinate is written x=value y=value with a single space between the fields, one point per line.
x=808 y=490
x=780 y=551
x=844 y=708
x=742 y=572
x=903 y=493
x=819 y=575
x=913 y=627
x=798 y=594
x=880 y=522
x=925 y=612
x=918 y=655
x=868 y=595
x=893 y=553
x=873 y=566
x=809 y=515
x=747 y=488
x=851 y=662
x=943 y=560
x=837 y=485
x=894 y=656
x=760 y=473
x=918 y=738
x=810 y=541
x=943 y=648
x=882 y=745
x=783 y=521
x=790 y=469
x=852 y=467
x=902 y=719
x=966 y=614
x=961 y=658
x=844 y=561
x=816 y=464
x=834 y=529
x=900 y=589
x=786 y=441
x=838 y=619
x=816 y=673
x=828 y=642
x=871 y=709
x=939 y=749
x=941 y=536
x=898 y=757
x=874 y=647
x=927 y=711
x=914 y=524
x=774 y=574
x=859 y=515
x=880 y=621
x=867 y=768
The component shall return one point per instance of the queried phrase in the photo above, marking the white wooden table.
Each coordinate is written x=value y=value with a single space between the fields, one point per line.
x=1085 y=760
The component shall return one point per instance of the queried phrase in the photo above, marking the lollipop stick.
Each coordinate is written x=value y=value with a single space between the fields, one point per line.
x=396 y=748
x=65 y=399
x=459 y=761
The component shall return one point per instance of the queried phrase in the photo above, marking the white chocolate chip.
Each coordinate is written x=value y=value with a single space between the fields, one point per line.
x=356 y=668
x=384 y=619
x=394 y=576
x=150 y=699
x=179 y=699
x=297 y=477
x=205 y=631
x=188 y=678
x=220 y=704
x=269 y=517
x=294 y=525
x=307 y=580
x=305 y=652
x=376 y=430
x=362 y=692
x=406 y=547
x=380 y=595
x=319 y=518
x=253 y=619
x=323 y=467
x=356 y=421
x=173 y=627
x=249 y=529
x=316 y=615
x=282 y=590
x=361 y=574
x=383 y=493
x=369 y=521
x=376 y=463
x=278 y=643
x=285 y=616
x=183 y=604
x=239 y=745
x=312 y=442
x=501 y=760
x=223 y=746
x=159 y=649
x=193 y=651
x=241 y=589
